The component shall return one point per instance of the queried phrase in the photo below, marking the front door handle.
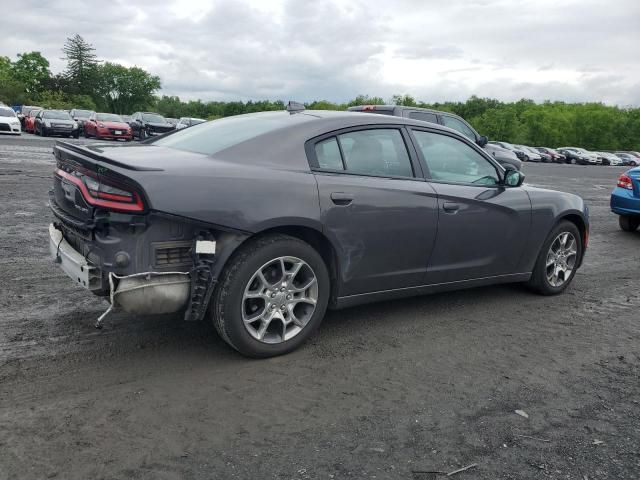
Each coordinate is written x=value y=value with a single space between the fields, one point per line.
x=341 y=199
x=450 y=207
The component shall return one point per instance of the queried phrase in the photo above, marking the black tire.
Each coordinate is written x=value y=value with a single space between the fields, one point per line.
x=538 y=281
x=573 y=161
x=629 y=224
x=226 y=307
x=84 y=133
x=76 y=135
x=142 y=134
x=43 y=131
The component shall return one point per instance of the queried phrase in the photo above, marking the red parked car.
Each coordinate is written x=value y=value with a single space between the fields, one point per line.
x=29 y=120
x=107 y=125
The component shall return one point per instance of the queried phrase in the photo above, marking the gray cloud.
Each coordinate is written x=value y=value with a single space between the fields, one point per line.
x=573 y=50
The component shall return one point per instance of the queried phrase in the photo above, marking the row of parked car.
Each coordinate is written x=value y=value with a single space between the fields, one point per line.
x=573 y=155
x=142 y=125
x=76 y=122
x=504 y=152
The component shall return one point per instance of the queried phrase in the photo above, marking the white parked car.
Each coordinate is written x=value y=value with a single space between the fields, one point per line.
x=9 y=121
x=185 y=122
x=609 y=158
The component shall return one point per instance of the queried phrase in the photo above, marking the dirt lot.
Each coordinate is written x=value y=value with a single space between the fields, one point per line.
x=384 y=391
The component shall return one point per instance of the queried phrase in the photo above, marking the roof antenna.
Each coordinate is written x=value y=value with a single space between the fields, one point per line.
x=295 y=107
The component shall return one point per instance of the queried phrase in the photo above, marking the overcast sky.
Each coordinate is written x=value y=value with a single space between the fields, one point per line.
x=572 y=50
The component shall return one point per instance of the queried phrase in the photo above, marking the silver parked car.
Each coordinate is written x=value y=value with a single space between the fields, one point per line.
x=186 y=122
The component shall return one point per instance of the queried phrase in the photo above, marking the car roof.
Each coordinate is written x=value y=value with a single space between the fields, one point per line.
x=295 y=129
x=391 y=108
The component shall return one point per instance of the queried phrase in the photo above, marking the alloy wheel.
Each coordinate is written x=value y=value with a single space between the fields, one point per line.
x=561 y=259
x=279 y=300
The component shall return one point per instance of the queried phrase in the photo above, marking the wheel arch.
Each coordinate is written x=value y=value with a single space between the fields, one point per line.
x=583 y=228
x=312 y=236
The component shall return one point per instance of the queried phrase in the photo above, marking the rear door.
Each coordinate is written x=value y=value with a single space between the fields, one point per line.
x=376 y=207
x=482 y=225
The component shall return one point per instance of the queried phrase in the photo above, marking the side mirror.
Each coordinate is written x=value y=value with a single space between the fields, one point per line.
x=513 y=177
x=482 y=140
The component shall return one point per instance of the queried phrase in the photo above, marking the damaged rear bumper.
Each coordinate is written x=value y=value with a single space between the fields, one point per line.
x=140 y=293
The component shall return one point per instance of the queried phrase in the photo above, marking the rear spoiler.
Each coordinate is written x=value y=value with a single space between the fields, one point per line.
x=65 y=150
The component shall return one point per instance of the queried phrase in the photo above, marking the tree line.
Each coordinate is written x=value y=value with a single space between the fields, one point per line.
x=91 y=83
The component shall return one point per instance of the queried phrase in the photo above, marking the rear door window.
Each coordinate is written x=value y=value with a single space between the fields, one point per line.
x=379 y=151
x=461 y=127
x=424 y=116
x=328 y=154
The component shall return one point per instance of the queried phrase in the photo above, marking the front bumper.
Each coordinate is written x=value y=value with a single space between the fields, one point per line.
x=114 y=136
x=13 y=128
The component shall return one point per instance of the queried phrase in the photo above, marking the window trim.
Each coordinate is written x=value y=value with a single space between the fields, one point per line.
x=500 y=170
x=416 y=166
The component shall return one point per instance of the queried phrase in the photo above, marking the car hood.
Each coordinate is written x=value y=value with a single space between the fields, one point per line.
x=116 y=125
x=158 y=125
x=59 y=121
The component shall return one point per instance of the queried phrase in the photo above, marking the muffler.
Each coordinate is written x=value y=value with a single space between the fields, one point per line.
x=149 y=293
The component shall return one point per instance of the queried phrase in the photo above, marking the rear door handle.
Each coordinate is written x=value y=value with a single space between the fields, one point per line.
x=450 y=207
x=342 y=199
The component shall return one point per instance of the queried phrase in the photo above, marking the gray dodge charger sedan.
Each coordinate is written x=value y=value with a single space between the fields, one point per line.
x=260 y=222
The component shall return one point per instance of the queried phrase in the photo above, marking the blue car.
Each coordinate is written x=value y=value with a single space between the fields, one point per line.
x=625 y=200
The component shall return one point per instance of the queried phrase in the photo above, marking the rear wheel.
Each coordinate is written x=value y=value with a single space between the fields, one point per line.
x=271 y=297
x=629 y=224
x=558 y=260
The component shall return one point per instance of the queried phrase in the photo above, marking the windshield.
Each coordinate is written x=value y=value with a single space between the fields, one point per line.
x=82 y=113
x=56 y=115
x=7 y=112
x=153 y=118
x=34 y=112
x=108 y=117
x=212 y=137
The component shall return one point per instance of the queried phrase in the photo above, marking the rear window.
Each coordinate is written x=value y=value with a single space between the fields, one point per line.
x=215 y=136
x=82 y=113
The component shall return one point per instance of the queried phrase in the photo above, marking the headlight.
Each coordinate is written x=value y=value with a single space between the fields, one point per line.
x=47 y=123
x=101 y=125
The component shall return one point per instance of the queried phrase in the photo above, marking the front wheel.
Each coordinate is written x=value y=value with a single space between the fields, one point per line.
x=271 y=297
x=629 y=224
x=558 y=260
x=143 y=134
x=43 y=131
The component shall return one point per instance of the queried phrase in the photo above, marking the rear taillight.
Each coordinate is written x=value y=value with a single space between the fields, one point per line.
x=625 y=182
x=103 y=192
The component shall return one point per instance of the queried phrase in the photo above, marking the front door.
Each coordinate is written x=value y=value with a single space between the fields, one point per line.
x=482 y=225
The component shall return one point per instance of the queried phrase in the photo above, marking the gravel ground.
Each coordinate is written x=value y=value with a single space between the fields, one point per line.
x=391 y=390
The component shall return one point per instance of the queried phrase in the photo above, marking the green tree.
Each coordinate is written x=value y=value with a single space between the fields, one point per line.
x=120 y=89
x=406 y=100
x=32 y=70
x=11 y=90
x=81 y=63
